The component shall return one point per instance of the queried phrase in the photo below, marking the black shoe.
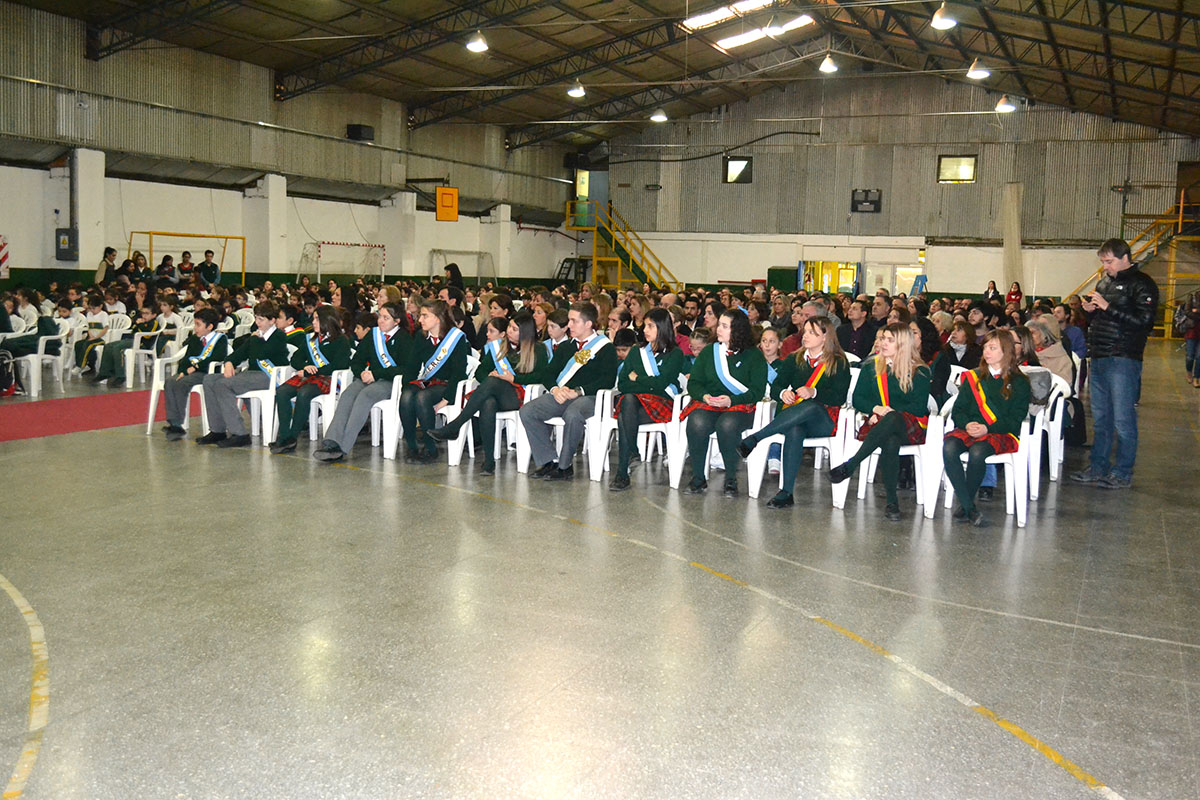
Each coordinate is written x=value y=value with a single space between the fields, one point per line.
x=545 y=470
x=211 y=438
x=488 y=468
x=567 y=474
x=116 y=383
x=745 y=448
x=95 y=379
x=619 y=483
x=284 y=446
x=960 y=514
x=427 y=456
x=697 y=486
x=977 y=519
x=986 y=494
x=169 y=428
x=730 y=490
x=235 y=441
x=839 y=473
x=892 y=512
x=329 y=455
x=781 y=500
x=443 y=434
x=175 y=434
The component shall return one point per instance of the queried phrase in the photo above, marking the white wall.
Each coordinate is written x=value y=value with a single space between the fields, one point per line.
x=27 y=215
x=1046 y=271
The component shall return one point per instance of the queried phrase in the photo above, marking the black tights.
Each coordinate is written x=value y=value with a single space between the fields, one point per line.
x=628 y=418
x=807 y=420
x=292 y=421
x=888 y=436
x=965 y=478
x=416 y=406
x=728 y=426
x=491 y=397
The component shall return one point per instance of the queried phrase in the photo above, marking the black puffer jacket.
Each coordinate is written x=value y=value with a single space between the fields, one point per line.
x=1121 y=330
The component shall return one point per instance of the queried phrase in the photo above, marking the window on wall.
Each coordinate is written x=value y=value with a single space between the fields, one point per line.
x=737 y=169
x=956 y=169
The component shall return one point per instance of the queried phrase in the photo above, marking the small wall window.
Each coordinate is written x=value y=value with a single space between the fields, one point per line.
x=737 y=169
x=956 y=169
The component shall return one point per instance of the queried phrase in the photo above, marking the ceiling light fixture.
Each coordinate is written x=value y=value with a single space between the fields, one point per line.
x=477 y=44
x=978 y=71
x=577 y=90
x=658 y=116
x=827 y=65
x=942 y=20
x=1005 y=105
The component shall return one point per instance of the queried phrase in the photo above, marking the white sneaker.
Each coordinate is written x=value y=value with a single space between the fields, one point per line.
x=76 y=371
x=716 y=462
x=774 y=465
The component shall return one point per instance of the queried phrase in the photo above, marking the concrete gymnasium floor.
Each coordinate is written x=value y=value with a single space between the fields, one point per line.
x=228 y=624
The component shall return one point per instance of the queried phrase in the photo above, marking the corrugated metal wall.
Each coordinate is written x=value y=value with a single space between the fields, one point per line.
x=112 y=105
x=887 y=133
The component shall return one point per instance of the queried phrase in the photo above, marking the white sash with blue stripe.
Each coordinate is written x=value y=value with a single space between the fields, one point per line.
x=650 y=364
x=503 y=365
x=582 y=356
x=315 y=353
x=209 y=344
x=441 y=354
x=721 y=362
x=381 y=343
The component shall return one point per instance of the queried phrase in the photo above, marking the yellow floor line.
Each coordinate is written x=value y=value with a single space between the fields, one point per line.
x=39 y=694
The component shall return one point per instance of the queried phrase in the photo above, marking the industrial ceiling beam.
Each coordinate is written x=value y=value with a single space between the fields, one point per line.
x=449 y=25
x=1125 y=31
x=1108 y=58
x=1058 y=56
x=1162 y=119
x=137 y=25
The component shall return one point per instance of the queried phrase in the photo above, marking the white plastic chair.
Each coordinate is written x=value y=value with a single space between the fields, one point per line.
x=158 y=380
x=385 y=420
x=143 y=356
x=834 y=445
x=320 y=413
x=675 y=466
x=451 y=410
x=1016 y=473
x=1080 y=376
x=243 y=322
x=262 y=404
x=591 y=431
x=1056 y=416
x=19 y=327
x=117 y=325
x=34 y=362
x=508 y=424
x=648 y=436
x=927 y=457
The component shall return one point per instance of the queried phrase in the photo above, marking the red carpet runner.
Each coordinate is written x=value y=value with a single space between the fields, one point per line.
x=74 y=414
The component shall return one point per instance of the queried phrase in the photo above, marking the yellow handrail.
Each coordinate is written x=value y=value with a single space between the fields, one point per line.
x=590 y=215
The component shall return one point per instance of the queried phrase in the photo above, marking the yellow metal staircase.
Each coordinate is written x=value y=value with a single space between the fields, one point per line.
x=621 y=259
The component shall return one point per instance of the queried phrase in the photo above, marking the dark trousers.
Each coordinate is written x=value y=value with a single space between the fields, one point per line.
x=966 y=479
x=728 y=425
x=888 y=436
x=176 y=391
x=490 y=398
x=629 y=418
x=291 y=422
x=416 y=406
x=807 y=420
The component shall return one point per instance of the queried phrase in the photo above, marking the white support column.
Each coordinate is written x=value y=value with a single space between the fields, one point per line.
x=264 y=224
x=495 y=236
x=398 y=233
x=87 y=199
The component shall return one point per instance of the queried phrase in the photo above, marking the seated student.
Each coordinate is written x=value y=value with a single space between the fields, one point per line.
x=112 y=362
x=205 y=346
x=727 y=380
x=364 y=321
x=818 y=372
x=893 y=389
x=436 y=365
x=325 y=351
x=169 y=321
x=265 y=349
x=624 y=341
x=580 y=368
x=380 y=357
x=286 y=322
x=97 y=326
x=647 y=382
x=556 y=331
x=699 y=339
x=960 y=351
x=512 y=359
x=112 y=301
x=987 y=414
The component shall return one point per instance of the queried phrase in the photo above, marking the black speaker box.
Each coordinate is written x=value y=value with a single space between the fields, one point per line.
x=360 y=133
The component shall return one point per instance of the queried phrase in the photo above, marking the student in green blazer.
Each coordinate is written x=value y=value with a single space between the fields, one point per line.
x=512 y=359
x=436 y=365
x=647 y=383
x=727 y=380
x=322 y=353
x=204 y=347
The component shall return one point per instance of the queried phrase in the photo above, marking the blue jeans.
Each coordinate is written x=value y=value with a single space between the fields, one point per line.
x=1191 y=359
x=1115 y=384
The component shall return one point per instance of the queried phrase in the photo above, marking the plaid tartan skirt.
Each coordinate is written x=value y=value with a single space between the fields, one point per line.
x=914 y=428
x=657 y=407
x=1001 y=442
x=696 y=405
x=322 y=382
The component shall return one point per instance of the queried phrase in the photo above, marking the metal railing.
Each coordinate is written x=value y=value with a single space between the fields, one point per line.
x=588 y=215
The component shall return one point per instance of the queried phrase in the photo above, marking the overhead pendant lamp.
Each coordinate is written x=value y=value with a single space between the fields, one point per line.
x=978 y=71
x=658 y=116
x=1005 y=105
x=477 y=44
x=827 y=65
x=577 y=90
x=942 y=20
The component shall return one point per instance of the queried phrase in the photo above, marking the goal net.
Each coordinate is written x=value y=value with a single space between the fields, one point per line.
x=229 y=252
x=356 y=259
x=477 y=266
